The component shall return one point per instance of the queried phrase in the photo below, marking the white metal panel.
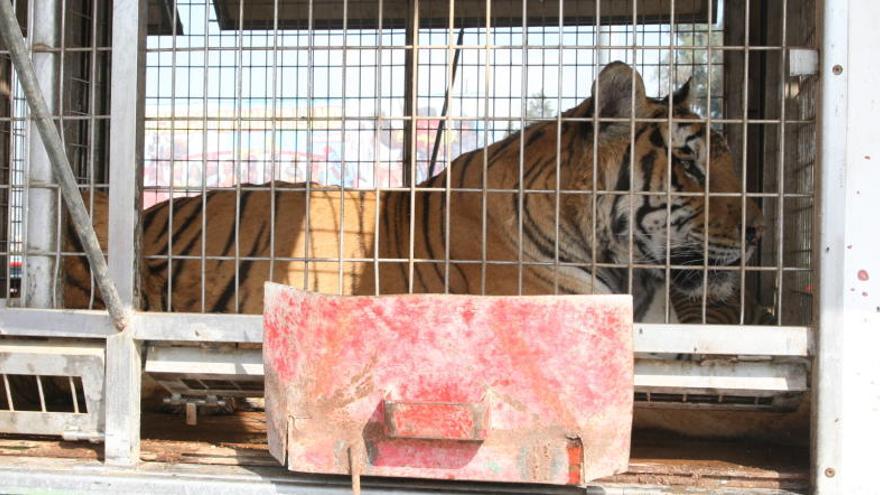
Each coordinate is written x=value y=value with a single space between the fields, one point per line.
x=720 y=376
x=847 y=375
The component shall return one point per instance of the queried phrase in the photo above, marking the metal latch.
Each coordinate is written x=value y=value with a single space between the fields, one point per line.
x=803 y=62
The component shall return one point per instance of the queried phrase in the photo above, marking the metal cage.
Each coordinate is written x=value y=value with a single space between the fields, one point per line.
x=373 y=99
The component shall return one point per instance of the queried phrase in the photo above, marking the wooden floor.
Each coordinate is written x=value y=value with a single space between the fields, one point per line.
x=656 y=459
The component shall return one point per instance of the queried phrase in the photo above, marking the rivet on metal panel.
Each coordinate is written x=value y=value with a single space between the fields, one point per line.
x=837 y=70
x=830 y=472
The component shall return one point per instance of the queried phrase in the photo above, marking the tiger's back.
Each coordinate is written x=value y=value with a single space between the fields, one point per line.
x=218 y=264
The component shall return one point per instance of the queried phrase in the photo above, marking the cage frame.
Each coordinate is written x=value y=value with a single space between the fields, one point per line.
x=839 y=213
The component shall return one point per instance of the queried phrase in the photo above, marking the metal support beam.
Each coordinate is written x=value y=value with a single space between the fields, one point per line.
x=38 y=288
x=126 y=162
x=16 y=322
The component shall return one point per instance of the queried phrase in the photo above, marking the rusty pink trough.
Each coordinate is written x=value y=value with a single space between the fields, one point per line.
x=516 y=389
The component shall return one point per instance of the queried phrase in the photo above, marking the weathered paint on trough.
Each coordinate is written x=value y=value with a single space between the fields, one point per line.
x=518 y=389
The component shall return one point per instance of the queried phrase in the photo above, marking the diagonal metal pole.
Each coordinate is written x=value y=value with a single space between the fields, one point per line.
x=11 y=34
x=433 y=164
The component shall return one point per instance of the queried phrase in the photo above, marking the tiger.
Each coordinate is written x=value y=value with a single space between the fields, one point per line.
x=519 y=220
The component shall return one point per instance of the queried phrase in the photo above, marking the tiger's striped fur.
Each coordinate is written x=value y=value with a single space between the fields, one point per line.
x=525 y=261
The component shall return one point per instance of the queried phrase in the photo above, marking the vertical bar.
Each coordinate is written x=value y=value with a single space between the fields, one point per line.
x=93 y=84
x=745 y=141
x=597 y=51
x=632 y=154
x=443 y=126
x=310 y=126
x=667 y=279
x=38 y=290
x=523 y=88
x=8 y=393
x=557 y=185
x=238 y=147
x=780 y=220
x=123 y=373
x=708 y=131
x=172 y=163
x=410 y=92
x=411 y=146
x=488 y=51
x=828 y=373
x=73 y=396
x=59 y=91
x=273 y=140
x=377 y=130
x=341 y=273
x=40 y=393
x=204 y=189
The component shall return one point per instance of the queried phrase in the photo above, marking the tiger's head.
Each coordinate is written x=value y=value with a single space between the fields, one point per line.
x=691 y=158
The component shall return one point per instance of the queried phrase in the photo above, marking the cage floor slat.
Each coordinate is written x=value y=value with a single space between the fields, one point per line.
x=657 y=459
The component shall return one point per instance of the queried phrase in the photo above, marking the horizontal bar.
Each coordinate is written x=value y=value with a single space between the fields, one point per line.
x=66 y=49
x=85 y=324
x=648 y=338
x=202 y=361
x=48 y=423
x=730 y=377
x=738 y=340
x=336 y=189
x=651 y=375
x=732 y=48
x=26 y=351
x=173 y=120
x=35 y=473
x=197 y=327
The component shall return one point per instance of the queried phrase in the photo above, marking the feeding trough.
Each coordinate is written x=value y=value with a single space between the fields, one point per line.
x=512 y=389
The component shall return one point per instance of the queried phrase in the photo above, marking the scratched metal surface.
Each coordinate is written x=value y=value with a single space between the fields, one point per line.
x=535 y=389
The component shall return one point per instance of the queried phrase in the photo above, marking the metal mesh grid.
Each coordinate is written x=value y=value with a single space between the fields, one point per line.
x=70 y=42
x=377 y=96
x=230 y=104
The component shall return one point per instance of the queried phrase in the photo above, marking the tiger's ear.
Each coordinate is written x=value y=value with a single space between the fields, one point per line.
x=613 y=93
x=683 y=96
